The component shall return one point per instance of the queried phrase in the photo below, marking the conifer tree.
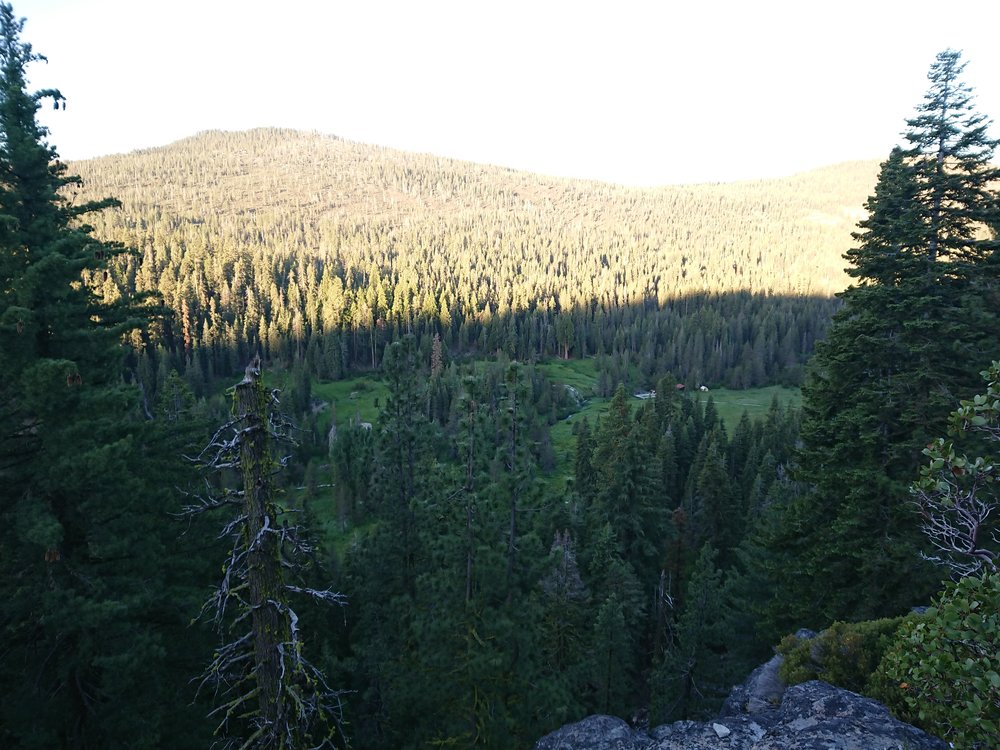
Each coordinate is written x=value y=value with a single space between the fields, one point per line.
x=619 y=604
x=627 y=489
x=921 y=315
x=584 y=471
x=86 y=563
x=715 y=511
x=697 y=671
x=566 y=598
x=611 y=653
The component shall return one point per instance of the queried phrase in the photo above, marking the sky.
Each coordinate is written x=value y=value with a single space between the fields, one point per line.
x=628 y=91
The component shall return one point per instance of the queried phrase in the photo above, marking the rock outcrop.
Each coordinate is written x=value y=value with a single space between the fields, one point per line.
x=760 y=715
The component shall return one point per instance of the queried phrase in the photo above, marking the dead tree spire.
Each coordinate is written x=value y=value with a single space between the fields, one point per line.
x=272 y=696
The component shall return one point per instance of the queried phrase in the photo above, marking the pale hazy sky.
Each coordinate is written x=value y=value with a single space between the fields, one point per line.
x=635 y=92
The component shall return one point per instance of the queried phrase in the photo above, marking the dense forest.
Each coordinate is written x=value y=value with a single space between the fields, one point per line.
x=197 y=549
x=310 y=247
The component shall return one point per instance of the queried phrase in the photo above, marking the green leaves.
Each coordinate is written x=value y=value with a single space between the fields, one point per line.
x=844 y=654
x=941 y=674
x=955 y=494
x=91 y=572
x=37 y=524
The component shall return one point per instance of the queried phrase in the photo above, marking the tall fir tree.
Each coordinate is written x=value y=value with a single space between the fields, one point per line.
x=88 y=561
x=627 y=492
x=914 y=328
x=384 y=569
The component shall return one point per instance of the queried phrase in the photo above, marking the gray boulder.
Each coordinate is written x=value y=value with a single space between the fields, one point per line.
x=817 y=715
x=596 y=733
x=761 y=692
x=732 y=733
x=759 y=695
x=810 y=716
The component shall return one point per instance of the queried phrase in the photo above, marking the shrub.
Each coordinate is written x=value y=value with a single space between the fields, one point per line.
x=845 y=654
x=943 y=672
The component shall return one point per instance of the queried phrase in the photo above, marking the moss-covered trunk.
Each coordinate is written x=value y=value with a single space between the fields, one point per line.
x=269 y=626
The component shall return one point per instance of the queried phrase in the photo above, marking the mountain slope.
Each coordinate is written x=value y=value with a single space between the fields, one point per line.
x=784 y=235
x=289 y=242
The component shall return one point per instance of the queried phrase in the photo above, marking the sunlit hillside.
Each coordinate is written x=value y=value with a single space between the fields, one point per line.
x=784 y=235
x=290 y=242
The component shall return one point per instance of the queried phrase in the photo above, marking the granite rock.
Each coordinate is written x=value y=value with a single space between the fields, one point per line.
x=760 y=716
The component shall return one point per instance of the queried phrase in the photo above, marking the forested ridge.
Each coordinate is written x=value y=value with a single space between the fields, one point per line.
x=304 y=244
x=161 y=519
x=782 y=235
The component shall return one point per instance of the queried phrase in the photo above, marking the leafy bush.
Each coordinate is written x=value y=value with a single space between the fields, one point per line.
x=845 y=654
x=943 y=673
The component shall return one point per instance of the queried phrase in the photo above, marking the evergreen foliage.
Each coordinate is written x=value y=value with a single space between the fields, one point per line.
x=492 y=598
x=308 y=247
x=924 y=306
x=96 y=587
x=463 y=631
x=697 y=670
x=844 y=654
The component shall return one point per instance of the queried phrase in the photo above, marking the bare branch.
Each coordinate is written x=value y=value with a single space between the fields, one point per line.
x=956 y=496
x=275 y=696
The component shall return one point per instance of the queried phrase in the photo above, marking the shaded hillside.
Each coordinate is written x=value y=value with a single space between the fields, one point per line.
x=273 y=236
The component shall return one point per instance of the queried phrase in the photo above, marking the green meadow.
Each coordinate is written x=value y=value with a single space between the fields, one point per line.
x=358 y=399
x=582 y=375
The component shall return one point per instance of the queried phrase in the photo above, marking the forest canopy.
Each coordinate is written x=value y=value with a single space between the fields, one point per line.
x=310 y=246
x=519 y=536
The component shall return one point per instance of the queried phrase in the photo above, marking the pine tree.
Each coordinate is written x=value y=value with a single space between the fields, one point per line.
x=611 y=652
x=565 y=597
x=920 y=317
x=697 y=671
x=584 y=471
x=619 y=603
x=88 y=560
x=628 y=494
x=715 y=511
x=384 y=571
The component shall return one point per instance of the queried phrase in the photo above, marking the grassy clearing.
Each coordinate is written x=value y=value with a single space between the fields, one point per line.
x=755 y=401
x=361 y=397
x=581 y=375
x=563 y=440
x=358 y=398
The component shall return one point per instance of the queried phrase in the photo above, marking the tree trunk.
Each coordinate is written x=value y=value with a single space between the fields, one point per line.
x=270 y=629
